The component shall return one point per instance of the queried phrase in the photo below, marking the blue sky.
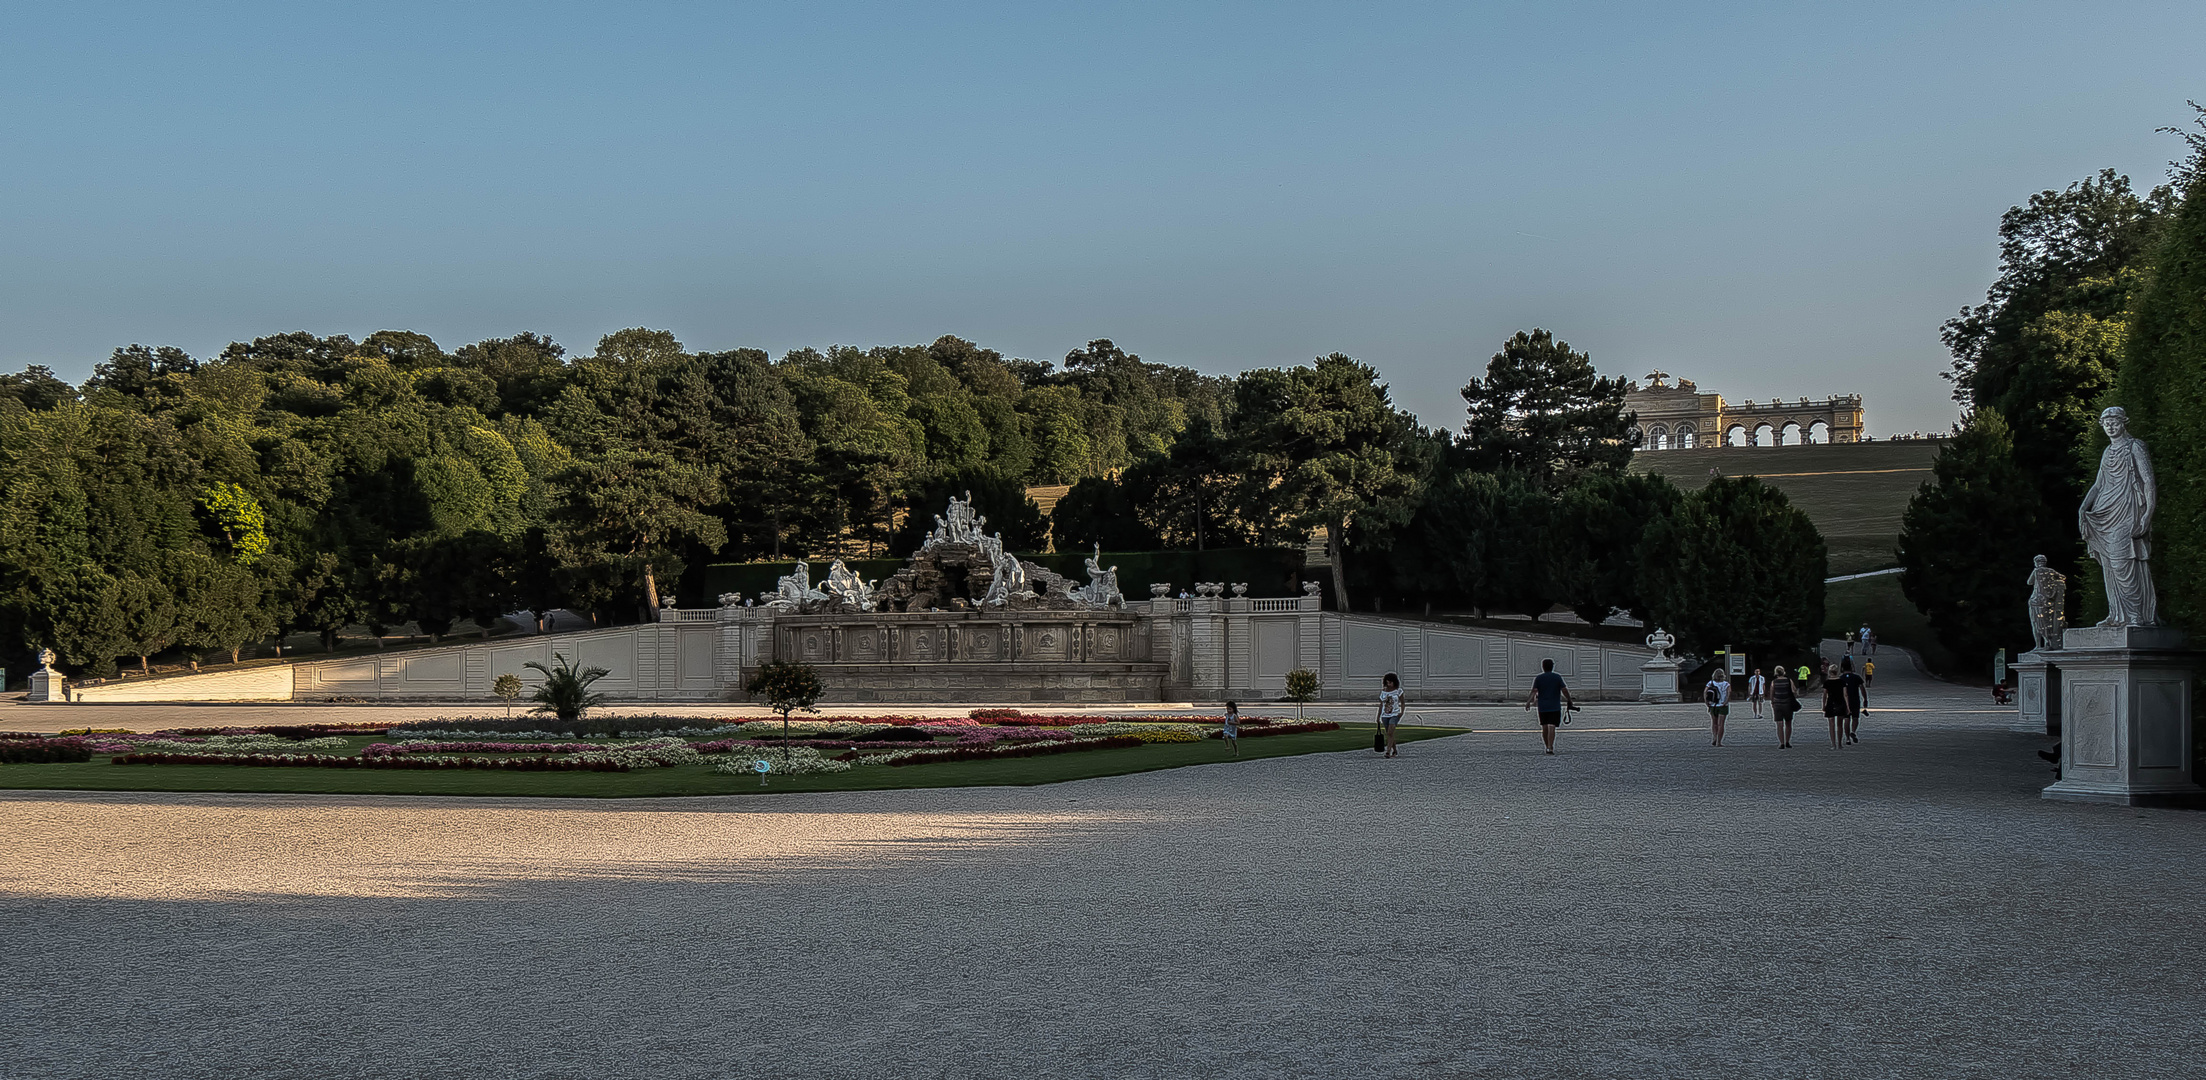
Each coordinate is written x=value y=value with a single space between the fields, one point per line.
x=1769 y=199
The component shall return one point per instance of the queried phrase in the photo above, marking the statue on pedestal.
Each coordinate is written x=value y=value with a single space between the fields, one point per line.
x=2048 y=604
x=2116 y=521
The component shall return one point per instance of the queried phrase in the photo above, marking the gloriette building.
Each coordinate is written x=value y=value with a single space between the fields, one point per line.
x=1681 y=416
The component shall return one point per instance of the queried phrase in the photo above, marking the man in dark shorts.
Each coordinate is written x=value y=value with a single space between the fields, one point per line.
x=1549 y=693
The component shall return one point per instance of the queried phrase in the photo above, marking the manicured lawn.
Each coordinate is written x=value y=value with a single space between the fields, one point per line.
x=98 y=775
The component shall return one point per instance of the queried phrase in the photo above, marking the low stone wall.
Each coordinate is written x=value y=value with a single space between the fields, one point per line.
x=269 y=683
x=1013 y=683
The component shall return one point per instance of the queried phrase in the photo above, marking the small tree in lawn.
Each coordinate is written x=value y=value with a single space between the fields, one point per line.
x=785 y=688
x=507 y=686
x=1301 y=687
x=566 y=690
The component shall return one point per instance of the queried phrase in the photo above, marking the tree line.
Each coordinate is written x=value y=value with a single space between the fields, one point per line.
x=2097 y=303
x=299 y=483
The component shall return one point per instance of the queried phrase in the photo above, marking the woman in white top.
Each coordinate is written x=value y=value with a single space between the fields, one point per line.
x=1390 y=708
x=1757 y=688
x=1718 y=699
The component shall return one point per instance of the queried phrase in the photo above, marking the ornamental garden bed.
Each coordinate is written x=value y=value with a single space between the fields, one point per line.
x=493 y=756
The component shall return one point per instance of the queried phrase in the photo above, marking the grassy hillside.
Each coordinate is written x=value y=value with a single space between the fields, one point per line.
x=1854 y=492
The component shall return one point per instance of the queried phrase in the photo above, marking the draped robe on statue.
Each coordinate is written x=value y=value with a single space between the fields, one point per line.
x=2116 y=521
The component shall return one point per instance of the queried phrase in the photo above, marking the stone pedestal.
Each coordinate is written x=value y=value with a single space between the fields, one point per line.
x=2037 y=690
x=2125 y=704
x=45 y=686
x=1658 y=680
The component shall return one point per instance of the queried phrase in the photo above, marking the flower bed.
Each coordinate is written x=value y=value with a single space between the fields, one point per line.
x=334 y=761
x=983 y=753
x=1253 y=730
x=798 y=761
x=41 y=752
x=425 y=746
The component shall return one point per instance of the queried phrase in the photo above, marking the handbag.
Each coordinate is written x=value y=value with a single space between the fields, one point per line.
x=1378 y=737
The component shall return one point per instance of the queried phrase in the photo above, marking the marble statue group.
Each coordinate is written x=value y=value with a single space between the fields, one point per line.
x=959 y=566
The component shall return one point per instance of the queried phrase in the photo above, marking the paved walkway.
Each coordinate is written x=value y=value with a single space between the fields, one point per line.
x=1641 y=904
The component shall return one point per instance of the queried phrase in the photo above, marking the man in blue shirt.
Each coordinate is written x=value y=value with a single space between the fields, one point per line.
x=1549 y=693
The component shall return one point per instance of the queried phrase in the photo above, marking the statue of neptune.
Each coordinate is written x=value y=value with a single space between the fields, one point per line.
x=2116 y=521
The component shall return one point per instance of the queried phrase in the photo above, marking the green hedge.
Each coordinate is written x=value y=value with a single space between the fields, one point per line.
x=1268 y=571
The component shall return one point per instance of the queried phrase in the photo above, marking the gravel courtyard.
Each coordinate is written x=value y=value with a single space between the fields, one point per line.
x=1640 y=904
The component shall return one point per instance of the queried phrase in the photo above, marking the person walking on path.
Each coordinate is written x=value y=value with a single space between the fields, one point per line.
x=1851 y=683
x=1549 y=693
x=1390 y=708
x=1717 y=696
x=1757 y=688
x=1783 y=702
x=1870 y=637
x=1834 y=705
x=1232 y=730
x=1864 y=638
x=1849 y=643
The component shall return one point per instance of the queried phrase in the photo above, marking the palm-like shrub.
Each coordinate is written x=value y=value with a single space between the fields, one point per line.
x=565 y=692
x=507 y=687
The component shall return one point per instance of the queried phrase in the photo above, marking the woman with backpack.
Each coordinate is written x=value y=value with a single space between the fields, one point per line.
x=1717 y=696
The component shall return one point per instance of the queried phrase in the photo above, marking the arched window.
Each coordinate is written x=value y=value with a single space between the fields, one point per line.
x=1658 y=438
x=1764 y=435
x=1790 y=434
x=1685 y=437
x=1735 y=435
x=1819 y=432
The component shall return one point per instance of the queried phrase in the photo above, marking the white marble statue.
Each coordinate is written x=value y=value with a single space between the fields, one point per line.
x=2116 y=521
x=793 y=591
x=1102 y=587
x=957 y=525
x=2048 y=604
x=844 y=584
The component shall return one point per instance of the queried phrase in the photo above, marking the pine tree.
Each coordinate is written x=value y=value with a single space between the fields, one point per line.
x=1543 y=412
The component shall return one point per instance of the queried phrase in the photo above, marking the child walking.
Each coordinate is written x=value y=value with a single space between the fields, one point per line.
x=1232 y=731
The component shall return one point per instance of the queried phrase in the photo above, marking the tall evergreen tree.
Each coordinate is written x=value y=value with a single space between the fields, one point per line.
x=1543 y=412
x=1968 y=538
x=2162 y=386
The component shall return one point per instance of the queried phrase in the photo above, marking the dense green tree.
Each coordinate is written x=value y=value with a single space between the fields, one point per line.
x=1099 y=510
x=1593 y=539
x=1968 y=538
x=1320 y=447
x=1542 y=412
x=36 y=388
x=630 y=511
x=1735 y=564
x=2162 y=386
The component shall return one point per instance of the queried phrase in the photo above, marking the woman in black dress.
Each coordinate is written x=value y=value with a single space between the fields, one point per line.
x=1834 y=704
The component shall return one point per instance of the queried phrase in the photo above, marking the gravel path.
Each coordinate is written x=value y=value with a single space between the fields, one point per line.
x=1640 y=904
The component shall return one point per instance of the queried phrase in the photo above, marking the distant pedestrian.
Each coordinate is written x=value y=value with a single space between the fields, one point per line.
x=1870 y=636
x=1784 y=701
x=1834 y=705
x=1757 y=688
x=1804 y=676
x=1866 y=636
x=1850 y=683
x=1232 y=731
x=1849 y=643
x=1717 y=696
x=1549 y=693
x=1390 y=708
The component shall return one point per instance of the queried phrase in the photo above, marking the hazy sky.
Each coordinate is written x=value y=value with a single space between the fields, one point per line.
x=1769 y=199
